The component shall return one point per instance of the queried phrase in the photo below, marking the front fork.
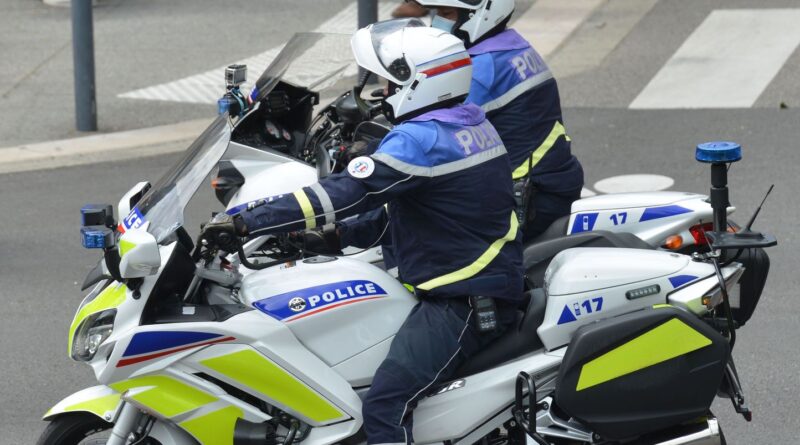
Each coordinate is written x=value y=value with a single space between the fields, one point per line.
x=131 y=426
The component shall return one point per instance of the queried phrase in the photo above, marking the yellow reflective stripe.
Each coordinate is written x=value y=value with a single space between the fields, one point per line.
x=214 y=428
x=409 y=287
x=164 y=395
x=537 y=155
x=111 y=297
x=308 y=210
x=125 y=247
x=99 y=406
x=667 y=341
x=479 y=264
x=256 y=372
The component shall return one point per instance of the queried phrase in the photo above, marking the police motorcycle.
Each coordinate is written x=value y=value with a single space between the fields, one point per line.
x=191 y=345
x=317 y=140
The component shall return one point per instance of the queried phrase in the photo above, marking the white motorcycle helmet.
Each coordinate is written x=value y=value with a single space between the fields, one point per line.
x=476 y=18
x=427 y=68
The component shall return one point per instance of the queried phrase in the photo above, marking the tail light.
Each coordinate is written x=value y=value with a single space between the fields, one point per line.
x=699 y=231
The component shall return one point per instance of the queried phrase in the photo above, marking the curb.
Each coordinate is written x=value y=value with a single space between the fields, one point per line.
x=547 y=23
x=101 y=147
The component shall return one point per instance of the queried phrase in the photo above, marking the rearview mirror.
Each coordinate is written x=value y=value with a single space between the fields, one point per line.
x=139 y=254
x=131 y=198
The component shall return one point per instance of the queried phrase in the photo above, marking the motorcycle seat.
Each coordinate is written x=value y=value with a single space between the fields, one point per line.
x=537 y=255
x=516 y=342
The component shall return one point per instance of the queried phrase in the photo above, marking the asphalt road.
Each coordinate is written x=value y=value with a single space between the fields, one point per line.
x=42 y=261
x=138 y=43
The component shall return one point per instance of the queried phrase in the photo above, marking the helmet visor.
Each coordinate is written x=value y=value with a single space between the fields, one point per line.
x=387 y=41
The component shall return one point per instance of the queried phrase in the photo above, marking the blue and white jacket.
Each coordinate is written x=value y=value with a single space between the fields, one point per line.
x=445 y=176
x=514 y=86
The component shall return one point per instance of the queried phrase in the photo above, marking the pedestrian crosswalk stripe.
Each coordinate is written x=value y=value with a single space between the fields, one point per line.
x=207 y=87
x=727 y=62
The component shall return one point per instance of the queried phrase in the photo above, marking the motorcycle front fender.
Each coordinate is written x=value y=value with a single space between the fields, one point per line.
x=101 y=401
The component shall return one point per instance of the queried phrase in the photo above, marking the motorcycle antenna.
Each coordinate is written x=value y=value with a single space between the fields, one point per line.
x=758 y=210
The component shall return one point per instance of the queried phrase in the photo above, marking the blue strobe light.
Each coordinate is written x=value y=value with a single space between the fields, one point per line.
x=718 y=152
x=96 y=237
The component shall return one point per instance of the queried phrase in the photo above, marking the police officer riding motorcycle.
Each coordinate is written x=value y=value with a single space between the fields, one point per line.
x=518 y=93
x=443 y=171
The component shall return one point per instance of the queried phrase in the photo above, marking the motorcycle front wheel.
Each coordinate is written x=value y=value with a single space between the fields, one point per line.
x=79 y=429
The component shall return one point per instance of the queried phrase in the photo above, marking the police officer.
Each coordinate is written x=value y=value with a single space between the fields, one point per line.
x=516 y=89
x=444 y=173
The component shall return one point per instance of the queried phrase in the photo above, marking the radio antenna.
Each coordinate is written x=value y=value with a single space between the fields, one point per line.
x=755 y=215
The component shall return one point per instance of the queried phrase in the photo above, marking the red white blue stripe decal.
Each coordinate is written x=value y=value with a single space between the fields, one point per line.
x=445 y=64
x=146 y=346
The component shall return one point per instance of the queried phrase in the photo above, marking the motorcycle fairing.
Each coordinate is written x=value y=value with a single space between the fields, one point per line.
x=592 y=283
x=652 y=216
x=100 y=400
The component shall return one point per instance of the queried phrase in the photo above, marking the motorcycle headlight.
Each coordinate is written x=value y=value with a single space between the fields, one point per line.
x=91 y=334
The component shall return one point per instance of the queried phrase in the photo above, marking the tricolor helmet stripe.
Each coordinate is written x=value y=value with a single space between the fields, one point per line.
x=445 y=64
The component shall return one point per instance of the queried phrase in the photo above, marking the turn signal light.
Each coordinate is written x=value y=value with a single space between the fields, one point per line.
x=674 y=242
x=225 y=183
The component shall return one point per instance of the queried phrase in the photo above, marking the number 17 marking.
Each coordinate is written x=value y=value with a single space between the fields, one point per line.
x=619 y=218
x=598 y=305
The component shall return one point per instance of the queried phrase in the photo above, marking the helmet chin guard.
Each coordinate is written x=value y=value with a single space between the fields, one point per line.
x=427 y=68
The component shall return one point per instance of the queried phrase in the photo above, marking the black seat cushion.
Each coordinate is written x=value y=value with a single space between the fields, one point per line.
x=537 y=255
x=516 y=342
x=556 y=230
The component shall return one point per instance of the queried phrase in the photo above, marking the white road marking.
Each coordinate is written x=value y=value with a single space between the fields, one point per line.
x=585 y=193
x=634 y=183
x=207 y=87
x=548 y=23
x=598 y=36
x=727 y=62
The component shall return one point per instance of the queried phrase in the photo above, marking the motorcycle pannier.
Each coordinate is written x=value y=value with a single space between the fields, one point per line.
x=641 y=372
x=756 y=263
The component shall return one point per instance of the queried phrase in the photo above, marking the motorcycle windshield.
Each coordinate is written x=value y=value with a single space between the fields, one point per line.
x=316 y=61
x=313 y=60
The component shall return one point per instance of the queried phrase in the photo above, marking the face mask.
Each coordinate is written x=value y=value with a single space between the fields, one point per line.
x=442 y=23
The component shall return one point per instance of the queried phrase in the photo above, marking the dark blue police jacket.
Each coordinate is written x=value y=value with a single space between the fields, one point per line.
x=444 y=176
x=516 y=89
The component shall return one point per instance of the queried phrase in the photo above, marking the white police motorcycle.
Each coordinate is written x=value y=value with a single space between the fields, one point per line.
x=286 y=124
x=193 y=346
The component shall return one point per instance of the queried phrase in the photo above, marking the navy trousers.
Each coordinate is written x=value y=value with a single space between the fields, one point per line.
x=545 y=208
x=436 y=338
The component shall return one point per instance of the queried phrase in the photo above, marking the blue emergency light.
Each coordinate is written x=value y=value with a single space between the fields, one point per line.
x=97 y=237
x=718 y=152
x=97 y=221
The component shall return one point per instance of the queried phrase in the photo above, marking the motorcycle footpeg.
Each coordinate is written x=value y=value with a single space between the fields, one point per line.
x=523 y=418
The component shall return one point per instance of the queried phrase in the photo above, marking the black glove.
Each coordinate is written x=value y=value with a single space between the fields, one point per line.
x=222 y=231
x=324 y=240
